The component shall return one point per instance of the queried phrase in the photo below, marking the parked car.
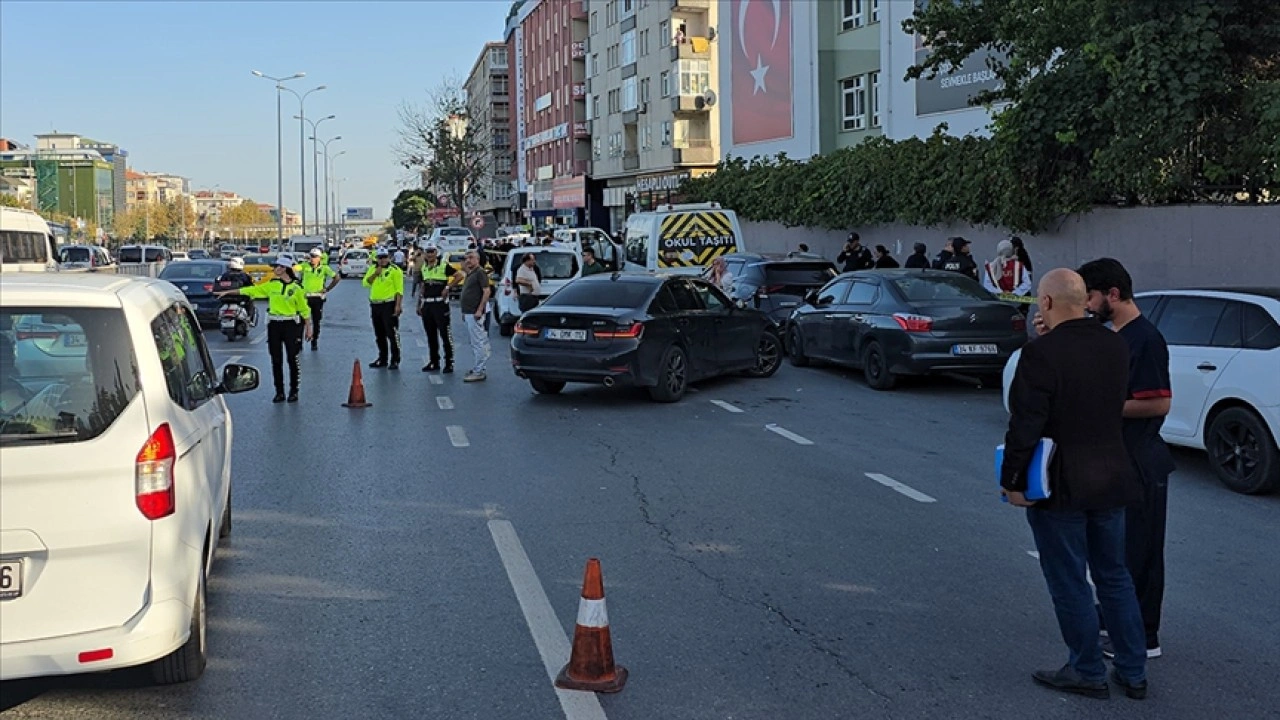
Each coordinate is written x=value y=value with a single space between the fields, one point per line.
x=136 y=254
x=446 y=238
x=660 y=332
x=890 y=323
x=117 y=480
x=354 y=263
x=775 y=284
x=85 y=257
x=558 y=265
x=195 y=279
x=179 y=256
x=199 y=254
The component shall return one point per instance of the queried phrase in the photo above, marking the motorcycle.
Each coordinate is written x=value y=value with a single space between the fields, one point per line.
x=234 y=319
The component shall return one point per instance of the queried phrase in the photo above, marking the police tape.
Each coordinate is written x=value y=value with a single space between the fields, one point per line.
x=1024 y=299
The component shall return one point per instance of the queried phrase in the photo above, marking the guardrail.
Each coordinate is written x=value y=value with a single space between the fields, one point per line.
x=139 y=269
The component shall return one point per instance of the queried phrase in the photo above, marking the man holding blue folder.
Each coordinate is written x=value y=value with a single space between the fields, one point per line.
x=1070 y=387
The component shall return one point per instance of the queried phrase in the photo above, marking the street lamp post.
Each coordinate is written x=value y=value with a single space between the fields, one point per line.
x=279 y=149
x=302 y=147
x=327 y=221
x=315 y=170
x=338 y=218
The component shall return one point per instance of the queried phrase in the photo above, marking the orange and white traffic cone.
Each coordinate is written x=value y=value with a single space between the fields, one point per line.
x=591 y=665
x=355 y=396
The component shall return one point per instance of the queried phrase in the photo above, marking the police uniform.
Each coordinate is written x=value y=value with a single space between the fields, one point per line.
x=386 y=287
x=287 y=313
x=315 y=284
x=433 y=305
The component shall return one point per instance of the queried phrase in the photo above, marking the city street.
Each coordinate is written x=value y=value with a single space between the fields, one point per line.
x=794 y=547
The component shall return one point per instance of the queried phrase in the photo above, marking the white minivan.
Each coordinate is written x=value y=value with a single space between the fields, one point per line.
x=681 y=238
x=115 y=444
x=26 y=242
x=557 y=264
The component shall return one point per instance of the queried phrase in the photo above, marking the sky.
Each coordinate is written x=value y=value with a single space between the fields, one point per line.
x=171 y=83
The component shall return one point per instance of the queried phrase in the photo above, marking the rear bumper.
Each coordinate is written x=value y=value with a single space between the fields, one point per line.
x=608 y=368
x=156 y=631
x=921 y=355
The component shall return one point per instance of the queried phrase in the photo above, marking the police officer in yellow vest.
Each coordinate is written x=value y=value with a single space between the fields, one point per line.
x=289 y=323
x=433 y=306
x=386 y=295
x=314 y=274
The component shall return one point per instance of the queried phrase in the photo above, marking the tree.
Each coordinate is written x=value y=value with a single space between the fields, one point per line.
x=245 y=217
x=439 y=139
x=7 y=200
x=411 y=211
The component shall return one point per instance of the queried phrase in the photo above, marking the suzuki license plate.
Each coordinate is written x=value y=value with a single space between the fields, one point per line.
x=975 y=350
x=575 y=335
x=10 y=579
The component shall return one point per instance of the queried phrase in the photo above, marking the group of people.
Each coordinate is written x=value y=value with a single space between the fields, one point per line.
x=1008 y=273
x=1101 y=394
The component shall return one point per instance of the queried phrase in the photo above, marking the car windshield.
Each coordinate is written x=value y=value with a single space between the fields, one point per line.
x=193 y=271
x=556 y=265
x=612 y=294
x=66 y=374
x=131 y=254
x=358 y=255
x=941 y=288
x=74 y=255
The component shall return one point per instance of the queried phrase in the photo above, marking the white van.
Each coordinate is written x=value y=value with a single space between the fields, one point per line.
x=681 y=238
x=26 y=242
x=608 y=253
x=558 y=264
x=448 y=238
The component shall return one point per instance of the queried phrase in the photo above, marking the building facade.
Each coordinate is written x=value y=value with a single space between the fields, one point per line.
x=113 y=154
x=66 y=181
x=488 y=91
x=155 y=188
x=849 y=72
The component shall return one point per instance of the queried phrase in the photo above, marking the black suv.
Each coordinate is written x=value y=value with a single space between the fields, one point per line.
x=775 y=284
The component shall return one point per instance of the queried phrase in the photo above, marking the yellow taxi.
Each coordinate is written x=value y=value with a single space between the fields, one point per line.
x=259 y=267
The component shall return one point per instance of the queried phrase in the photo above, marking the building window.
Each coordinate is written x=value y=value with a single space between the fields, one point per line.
x=854 y=104
x=644 y=43
x=852 y=14
x=498 y=57
x=644 y=90
x=666 y=133
x=628 y=47
x=664 y=33
x=595 y=148
x=630 y=101
x=593 y=68
x=615 y=144
x=595 y=107
x=875 y=11
x=875 y=99
x=628 y=8
x=612 y=56
x=646 y=137
x=595 y=23
x=615 y=101
x=664 y=81
x=695 y=76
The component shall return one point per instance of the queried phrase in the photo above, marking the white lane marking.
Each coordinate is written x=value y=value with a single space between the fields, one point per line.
x=458 y=436
x=727 y=406
x=797 y=439
x=234 y=358
x=548 y=634
x=892 y=484
x=435 y=379
x=259 y=340
x=444 y=403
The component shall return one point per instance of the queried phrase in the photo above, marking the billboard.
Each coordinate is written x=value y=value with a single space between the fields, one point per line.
x=952 y=90
x=359 y=213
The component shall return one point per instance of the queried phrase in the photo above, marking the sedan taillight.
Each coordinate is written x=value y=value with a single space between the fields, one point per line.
x=530 y=330
x=914 y=323
x=629 y=333
x=1019 y=323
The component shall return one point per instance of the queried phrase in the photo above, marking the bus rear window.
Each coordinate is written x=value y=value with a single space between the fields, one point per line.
x=22 y=246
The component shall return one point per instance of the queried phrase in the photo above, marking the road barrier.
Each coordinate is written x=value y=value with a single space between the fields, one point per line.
x=139 y=269
x=591 y=666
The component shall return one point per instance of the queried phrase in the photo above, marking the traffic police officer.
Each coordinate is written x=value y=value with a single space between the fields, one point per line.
x=314 y=274
x=433 y=306
x=289 y=324
x=386 y=294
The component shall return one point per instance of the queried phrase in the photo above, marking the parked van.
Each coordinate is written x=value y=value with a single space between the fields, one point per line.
x=93 y=258
x=26 y=242
x=681 y=238
x=136 y=254
x=607 y=252
x=558 y=264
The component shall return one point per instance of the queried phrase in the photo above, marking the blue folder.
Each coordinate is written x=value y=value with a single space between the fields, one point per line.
x=1037 y=473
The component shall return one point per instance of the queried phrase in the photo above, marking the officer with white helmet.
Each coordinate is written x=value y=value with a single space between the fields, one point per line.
x=235 y=278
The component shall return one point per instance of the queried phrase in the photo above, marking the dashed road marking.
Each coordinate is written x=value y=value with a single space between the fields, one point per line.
x=458 y=436
x=797 y=439
x=444 y=403
x=234 y=358
x=435 y=379
x=548 y=634
x=892 y=484
x=727 y=406
x=259 y=340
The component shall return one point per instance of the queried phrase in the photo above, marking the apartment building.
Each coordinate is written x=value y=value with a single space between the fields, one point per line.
x=73 y=181
x=653 y=74
x=143 y=188
x=849 y=72
x=488 y=89
x=209 y=205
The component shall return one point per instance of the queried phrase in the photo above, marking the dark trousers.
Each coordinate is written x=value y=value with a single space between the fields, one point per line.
x=317 y=313
x=1144 y=552
x=386 y=330
x=1073 y=545
x=284 y=337
x=435 y=322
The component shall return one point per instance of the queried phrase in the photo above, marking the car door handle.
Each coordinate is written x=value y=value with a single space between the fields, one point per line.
x=1206 y=367
x=857 y=318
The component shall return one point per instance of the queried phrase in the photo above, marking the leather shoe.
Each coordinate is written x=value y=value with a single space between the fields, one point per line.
x=395 y=365
x=279 y=398
x=1066 y=679
x=378 y=364
x=1133 y=690
x=431 y=367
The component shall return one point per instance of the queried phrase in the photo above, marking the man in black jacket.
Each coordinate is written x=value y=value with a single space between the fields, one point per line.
x=918 y=259
x=1070 y=386
x=855 y=257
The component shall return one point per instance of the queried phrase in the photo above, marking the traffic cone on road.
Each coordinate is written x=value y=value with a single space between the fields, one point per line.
x=591 y=665
x=355 y=396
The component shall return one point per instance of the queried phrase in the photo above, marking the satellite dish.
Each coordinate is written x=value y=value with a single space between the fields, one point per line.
x=709 y=97
x=711 y=34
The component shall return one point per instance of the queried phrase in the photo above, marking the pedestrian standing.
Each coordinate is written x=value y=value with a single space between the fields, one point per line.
x=961 y=259
x=944 y=255
x=433 y=306
x=528 y=283
x=314 y=275
x=854 y=256
x=1005 y=274
x=1070 y=387
x=414 y=272
x=590 y=266
x=1150 y=396
x=918 y=260
x=883 y=259
x=386 y=296
x=289 y=323
x=475 y=303
x=1020 y=251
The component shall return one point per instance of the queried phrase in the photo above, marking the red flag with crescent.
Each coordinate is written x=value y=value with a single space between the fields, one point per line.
x=761 y=70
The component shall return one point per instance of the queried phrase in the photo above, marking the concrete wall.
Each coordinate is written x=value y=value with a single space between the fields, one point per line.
x=1163 y=247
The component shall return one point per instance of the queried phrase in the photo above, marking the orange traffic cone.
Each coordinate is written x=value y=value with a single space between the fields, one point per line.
x=355 y=396
x=591 y=665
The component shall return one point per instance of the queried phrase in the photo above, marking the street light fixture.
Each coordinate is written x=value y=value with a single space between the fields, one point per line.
x=279 y=81
x=327 y=218
x=315 y=170
x=302 y=146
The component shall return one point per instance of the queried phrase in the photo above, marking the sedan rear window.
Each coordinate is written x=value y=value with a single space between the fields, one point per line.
x=66 y=374
x=612 y=294
x=917 y=288
x=130 y=254
x=813 y=275
x=192 y=271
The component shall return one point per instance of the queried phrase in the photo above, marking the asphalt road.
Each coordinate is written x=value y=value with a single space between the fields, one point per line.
x=796 y=547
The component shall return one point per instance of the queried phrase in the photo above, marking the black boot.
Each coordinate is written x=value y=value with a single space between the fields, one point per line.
x=279 y=398
x=432 y=366
x=448 y=365
x=293 y=395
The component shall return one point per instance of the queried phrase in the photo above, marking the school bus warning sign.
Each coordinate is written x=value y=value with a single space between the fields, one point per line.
x=692 y=239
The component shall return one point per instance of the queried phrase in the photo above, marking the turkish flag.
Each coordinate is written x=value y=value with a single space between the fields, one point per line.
x=761 y=70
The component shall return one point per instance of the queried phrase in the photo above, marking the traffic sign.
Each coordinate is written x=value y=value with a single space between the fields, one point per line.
x=477 y=222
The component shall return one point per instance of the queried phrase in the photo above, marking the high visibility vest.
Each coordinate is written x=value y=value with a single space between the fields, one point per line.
x=435 y=274
x=283 y=299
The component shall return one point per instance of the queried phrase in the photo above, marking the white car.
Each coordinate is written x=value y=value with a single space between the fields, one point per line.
x=116 y=476
x=354 y=263
x=1224 y=365
x=558 y=264
x=448 y=238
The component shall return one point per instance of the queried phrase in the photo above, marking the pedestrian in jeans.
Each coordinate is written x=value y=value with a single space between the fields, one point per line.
x=1070 y=386
x=1149 y=398
x=475 y=303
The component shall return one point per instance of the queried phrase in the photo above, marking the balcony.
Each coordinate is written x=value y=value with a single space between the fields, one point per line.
x=689 y=104
x=581 y=167
x=581 y=130
x=578 y=9
x=687 y=5
x=631 y=160
x=693 y=48
x=698 y=152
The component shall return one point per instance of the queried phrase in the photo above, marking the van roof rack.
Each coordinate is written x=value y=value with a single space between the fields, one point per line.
x=689 y=206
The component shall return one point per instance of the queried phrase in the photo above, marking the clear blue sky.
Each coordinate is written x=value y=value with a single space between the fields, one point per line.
x=170 y=82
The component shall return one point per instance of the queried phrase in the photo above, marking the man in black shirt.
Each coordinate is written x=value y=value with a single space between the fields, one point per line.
x=1149 y=398
x=918 y=260
x=855 y=256
x=960 y=259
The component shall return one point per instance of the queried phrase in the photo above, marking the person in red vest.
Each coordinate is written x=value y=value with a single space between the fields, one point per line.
x=1006 y=275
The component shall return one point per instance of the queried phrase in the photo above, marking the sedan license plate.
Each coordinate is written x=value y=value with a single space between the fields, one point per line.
x=73 y=339
x=975 y=350
x=558 y=334
x=10 y=579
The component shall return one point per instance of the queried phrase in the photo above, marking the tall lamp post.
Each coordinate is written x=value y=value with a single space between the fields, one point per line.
x=325 y=144
x=315 y=171
x=302 y=147
x=279 y=149
x=333 y=162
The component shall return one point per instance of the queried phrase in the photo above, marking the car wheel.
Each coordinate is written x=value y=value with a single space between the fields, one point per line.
x=506 y=329
x=768 y=355
x=673 y=377
x=546 y=387
x=795 y=348
x=224 y=528
x=187 y=662
x=875 y=367
x=1243 y=453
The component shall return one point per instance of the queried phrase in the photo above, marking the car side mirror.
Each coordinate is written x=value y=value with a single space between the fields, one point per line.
x=811 y=298
x=238 y=378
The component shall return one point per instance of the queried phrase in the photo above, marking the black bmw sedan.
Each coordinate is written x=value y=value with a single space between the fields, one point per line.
x=905 y=322
x=195 y=279
x=653 y=331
